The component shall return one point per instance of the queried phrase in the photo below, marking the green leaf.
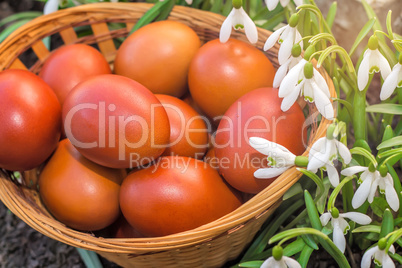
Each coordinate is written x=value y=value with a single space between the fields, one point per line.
x=251 y=264
x=396 y=257
x=389 y=25
x=387 y=224
x=6 y=32
x=362 y=34
x=385 y=108
x=331 y=14
x=363 y=152
x=294 y=247
x=90 y=258
x=396 y=141
x=378 y=206
x=367 y=229
x=305 y=256
x=295 y=189
x=310 y=241
x=315 y=178
x=261 y=241
x=216 y=6
x=335 y=192
x=151 y=14
x=312 y=211
x=321 y=201
x=28 y=15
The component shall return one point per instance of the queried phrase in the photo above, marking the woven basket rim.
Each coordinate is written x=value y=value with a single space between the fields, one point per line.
x=256 y=206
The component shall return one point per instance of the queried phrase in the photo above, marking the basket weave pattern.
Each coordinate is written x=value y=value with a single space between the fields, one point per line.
x=210 y=245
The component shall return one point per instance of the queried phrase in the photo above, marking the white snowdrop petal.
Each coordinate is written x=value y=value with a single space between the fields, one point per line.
x=273 y=38
x=333 y=175
x=390 y=83
x=323 y=104
x=373 y=190
x=249 y=27
x=383 y=65
x=357 y=217
x=189 y=2
x=285 y=50
x=350 y=171
x=284 y=2
x=362 y=192
x=269 y=173
x=291 y=98
x=267 y=263
x=290 y=81
x=392 y=249
x=367 y=256
x=291 y=263
x=308 y=90
x=268 y=147
x=387 y=262
x=363 y=72
x=51 y=6
x=318 y=146
x=338 y=236
x=271 y=4
x=226 y=28
x=281 y=73
x=391 y=196
x=298 y=2
x=344 y=152
x=322 y=84
x=325 y=217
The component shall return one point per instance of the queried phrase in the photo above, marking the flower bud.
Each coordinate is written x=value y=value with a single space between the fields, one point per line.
x=277 y=253
x=335 y=213
x=296 y=50
x=382 y=243
x=308 y=70
x=237 y=3
x=294 y=20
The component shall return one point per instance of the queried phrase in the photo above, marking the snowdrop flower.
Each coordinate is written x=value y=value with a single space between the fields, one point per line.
x=369 y=180
x=279 y=261
x=279 y=158
x=393 y=80
x=287 y=36
x=288 y=65
x=271 y=4
x=340 y=225
x=381 y=258
x=238 y=19
x=312 y=85
x=51 y=6
x=373 y=61
x=324 y=151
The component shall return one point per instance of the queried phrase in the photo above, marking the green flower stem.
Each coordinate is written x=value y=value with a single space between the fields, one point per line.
x=324 y=240
x=359 y=114
x=301 y=161
x=335 y=192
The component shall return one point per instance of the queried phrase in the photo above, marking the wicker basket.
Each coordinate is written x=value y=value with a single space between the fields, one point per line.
x=210 y=245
